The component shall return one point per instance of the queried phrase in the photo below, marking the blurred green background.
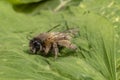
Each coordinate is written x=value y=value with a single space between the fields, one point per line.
x=98 y=56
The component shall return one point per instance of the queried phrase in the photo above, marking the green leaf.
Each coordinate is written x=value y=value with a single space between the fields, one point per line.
x=95 y=58
x=35 y=7
x=22 y=1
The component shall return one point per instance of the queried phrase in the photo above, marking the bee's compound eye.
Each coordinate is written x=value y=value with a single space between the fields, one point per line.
x=36 y=44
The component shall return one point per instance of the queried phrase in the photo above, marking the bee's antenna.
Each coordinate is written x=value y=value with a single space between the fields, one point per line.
x=53 y=27
x=66 y=24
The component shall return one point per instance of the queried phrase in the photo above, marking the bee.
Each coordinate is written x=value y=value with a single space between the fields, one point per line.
x=52 y=41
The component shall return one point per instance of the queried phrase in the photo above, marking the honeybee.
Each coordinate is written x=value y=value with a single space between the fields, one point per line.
x=52 y=41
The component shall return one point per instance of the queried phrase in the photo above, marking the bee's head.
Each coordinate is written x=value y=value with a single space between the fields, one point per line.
x=35 y=45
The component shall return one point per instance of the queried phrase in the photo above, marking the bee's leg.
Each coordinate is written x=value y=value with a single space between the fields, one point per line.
x=67 y=44
x=47 y=49
x=55 y=49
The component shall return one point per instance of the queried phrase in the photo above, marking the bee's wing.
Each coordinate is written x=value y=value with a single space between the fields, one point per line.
x=68 y=34
x=72 y=31
x=61 y=36
x=67 y=44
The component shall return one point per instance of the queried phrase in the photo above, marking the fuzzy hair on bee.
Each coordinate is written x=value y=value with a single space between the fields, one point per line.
x=52 y=41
